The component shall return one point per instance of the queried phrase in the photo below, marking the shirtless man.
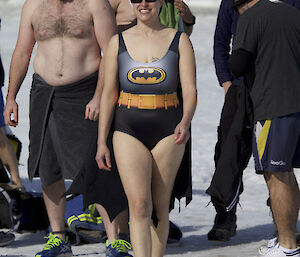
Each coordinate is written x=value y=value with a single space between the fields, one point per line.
x=65 y=94
x=126 y=18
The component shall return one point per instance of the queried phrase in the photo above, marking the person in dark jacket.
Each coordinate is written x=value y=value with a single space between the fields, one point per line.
x=225 y=221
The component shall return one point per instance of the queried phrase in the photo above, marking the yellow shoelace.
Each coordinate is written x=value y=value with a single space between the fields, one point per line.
x=121 y=245
x=52 y=241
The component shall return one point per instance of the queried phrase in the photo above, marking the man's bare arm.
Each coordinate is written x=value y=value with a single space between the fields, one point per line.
x=105 y=27
x=114 y=5
x=19 y=62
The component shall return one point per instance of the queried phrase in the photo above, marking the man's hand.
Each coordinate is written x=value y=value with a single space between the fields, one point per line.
x=184 y=11
x=11 y=108
x=226 y=85
x=92 y=110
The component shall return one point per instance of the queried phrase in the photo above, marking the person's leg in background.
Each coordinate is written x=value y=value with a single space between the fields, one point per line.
x=7 y=153
x=225 y=222
x=276 y=153
x=284 y=195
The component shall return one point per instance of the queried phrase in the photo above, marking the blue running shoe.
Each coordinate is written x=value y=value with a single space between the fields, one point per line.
x=55 y=247
x=118 y=248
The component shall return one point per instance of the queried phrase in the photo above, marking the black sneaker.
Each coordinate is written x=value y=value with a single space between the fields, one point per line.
x=174 y=236
x=224 y=226
x=6 y=238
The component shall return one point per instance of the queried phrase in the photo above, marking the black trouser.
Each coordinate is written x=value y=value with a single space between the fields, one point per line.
x=233 y=149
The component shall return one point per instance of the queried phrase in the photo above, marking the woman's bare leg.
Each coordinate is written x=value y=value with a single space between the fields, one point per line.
x=167 y=157
x=134 y=163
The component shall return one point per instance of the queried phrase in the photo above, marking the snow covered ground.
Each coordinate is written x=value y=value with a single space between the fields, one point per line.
x=254 y=221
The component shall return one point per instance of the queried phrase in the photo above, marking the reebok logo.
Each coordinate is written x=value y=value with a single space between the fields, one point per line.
x=278 y=163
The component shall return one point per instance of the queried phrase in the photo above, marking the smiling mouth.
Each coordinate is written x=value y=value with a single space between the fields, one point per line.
x=144 y=11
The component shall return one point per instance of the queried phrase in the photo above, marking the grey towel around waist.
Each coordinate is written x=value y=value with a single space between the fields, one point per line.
x=67 y=106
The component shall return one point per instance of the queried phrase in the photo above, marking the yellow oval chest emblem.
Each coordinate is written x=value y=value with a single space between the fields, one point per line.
x=146 y=75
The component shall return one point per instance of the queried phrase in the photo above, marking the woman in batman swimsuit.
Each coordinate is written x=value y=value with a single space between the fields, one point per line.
x=143 y=67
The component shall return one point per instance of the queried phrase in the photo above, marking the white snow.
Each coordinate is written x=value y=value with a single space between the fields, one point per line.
x=254 y=220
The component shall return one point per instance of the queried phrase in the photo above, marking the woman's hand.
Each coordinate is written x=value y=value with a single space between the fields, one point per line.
x=182 y=133
x=103 y=157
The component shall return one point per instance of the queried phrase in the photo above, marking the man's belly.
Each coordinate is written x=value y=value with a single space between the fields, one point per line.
x=62 y=62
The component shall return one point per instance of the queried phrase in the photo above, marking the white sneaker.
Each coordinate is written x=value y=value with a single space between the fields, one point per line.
x=265 y=248
x=277 y=252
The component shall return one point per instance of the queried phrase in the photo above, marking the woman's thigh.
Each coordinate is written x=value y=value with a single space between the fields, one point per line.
x=134 y=163
x=167 y=157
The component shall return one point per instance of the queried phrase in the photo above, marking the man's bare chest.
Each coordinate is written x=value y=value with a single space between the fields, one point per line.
x=57 y=20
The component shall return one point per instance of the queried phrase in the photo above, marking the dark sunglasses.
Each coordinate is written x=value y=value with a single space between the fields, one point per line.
x=139 y=1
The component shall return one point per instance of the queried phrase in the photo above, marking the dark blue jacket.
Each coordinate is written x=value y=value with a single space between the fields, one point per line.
x=224 y=33
x=1 y=68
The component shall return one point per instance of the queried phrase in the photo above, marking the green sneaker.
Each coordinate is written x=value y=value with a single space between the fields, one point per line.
x=118 y=248
x=55 y=247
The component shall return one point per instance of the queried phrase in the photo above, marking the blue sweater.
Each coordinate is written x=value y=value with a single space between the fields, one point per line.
x=224 y=33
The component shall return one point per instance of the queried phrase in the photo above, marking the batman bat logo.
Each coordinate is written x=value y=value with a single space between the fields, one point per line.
x=146 y=75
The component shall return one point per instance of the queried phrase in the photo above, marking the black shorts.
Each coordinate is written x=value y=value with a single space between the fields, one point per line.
x=276 y=144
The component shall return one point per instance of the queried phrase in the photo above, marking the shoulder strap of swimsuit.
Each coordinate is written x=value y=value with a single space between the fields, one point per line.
x=122 y=46
x=174 y=45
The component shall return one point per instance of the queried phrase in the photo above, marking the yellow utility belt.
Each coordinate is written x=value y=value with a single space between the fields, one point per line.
x=150 y=102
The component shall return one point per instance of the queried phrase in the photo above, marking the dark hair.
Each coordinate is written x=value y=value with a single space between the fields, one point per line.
x=235 y=3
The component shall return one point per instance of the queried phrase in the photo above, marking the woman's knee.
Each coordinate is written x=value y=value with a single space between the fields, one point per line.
x=161 y=208
x=140 y=208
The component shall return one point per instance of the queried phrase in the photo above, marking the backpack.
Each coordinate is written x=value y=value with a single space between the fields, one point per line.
x=22 y=211
x=6 y=217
